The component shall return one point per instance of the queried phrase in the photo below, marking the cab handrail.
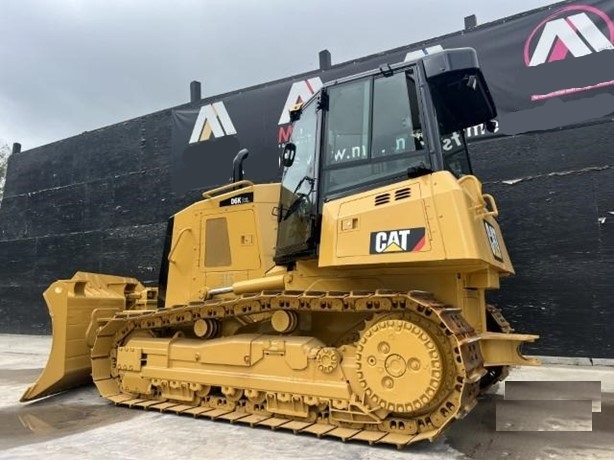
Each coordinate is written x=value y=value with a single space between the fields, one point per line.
x=228 y=187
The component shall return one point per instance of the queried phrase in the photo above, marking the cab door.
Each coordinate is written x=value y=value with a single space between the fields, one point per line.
x=297 y=212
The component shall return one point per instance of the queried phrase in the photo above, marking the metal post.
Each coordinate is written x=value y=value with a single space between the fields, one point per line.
x=471 y=21
x=325 y=60
x=195 y=91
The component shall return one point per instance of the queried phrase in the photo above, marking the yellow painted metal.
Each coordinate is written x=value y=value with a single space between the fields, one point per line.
x=251 y=230
x=376 y=339
x=277 y=380
x=269 y=360
x=503 y=349
x=72 y=305
x=284 y=321
x=394 y=378
x=272 y=282
x=452 y=213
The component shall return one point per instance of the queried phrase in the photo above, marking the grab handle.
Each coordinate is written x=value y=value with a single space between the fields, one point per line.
x=488 y=198
x=227 y=188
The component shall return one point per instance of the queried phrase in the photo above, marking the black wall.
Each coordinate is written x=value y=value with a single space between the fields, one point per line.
x=560 y=244
x=95 y=202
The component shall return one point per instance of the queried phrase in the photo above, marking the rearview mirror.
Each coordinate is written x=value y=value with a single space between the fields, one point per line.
x=296 y=111
x=287 y=158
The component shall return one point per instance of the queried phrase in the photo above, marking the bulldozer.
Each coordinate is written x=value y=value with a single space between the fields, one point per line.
x=346 y=300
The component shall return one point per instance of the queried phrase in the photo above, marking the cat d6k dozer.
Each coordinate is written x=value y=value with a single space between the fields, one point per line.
x=347 y=300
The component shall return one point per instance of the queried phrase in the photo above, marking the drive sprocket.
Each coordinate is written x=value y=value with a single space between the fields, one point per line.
x=399 y=365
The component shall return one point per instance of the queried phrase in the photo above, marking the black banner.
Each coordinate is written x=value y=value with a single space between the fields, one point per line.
x=546 y=68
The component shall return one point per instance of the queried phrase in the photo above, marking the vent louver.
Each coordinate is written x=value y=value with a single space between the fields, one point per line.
x=402 y=193
x=382 y=199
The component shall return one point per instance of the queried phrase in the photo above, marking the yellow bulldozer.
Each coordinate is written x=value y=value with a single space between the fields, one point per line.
x=346 y=301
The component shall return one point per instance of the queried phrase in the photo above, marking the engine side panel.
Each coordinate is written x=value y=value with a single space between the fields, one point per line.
x=429 y=221
x=223 y=239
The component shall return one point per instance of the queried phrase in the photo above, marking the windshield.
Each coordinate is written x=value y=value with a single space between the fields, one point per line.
x=373 y=132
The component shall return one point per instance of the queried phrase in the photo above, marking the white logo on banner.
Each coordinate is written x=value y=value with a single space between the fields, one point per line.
x=213 y=120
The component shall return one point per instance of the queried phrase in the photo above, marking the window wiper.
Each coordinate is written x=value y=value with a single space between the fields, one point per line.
x=311 y=181
x=300 y=197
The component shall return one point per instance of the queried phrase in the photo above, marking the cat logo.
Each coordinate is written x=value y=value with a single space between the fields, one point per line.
x=213 y=120
x=402 y=240
x=495 y=247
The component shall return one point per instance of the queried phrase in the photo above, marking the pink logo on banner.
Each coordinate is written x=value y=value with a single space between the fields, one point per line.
x=578 y=30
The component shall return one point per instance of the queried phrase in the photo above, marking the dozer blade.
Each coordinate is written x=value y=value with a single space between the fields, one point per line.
x=74 y=304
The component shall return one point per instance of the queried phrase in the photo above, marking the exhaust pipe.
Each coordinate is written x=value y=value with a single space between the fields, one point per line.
x=237 y=165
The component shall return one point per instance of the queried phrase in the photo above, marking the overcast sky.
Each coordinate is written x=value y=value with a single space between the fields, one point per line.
x=69 y=66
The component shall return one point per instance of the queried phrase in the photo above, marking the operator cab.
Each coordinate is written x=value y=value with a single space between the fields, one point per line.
x=374 y=129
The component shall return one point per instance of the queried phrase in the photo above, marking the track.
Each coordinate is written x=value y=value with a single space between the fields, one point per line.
x=495 y=322
x=434 y=332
